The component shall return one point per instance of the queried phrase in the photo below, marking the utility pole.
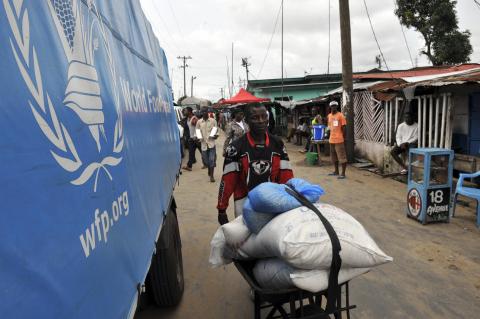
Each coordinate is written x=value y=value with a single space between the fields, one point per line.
x=184 y=67
x=191 y=88
x=232 y=90
x=245 y=64
x=347 y=96
x=282 y=50
x=221 y=93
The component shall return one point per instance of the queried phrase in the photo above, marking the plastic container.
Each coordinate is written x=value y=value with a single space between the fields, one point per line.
x=312 y=158
x=318 y=132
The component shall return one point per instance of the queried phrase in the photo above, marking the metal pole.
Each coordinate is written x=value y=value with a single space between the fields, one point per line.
x=347 y=100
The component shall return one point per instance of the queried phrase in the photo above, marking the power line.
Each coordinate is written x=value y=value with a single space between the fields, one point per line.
x=270 y=42
x=176 y=21
x=405 y=38
x=375 y=36
x=477 y=3
x=329 y=34
x=165 y=25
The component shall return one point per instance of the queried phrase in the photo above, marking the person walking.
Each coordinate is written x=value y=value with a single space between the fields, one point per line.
x=235 y=129
x=337 y=125
x=254 y=158
x=207 y=126
x=192 y=141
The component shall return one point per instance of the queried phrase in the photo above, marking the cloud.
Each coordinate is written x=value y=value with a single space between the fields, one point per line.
x=206 y=29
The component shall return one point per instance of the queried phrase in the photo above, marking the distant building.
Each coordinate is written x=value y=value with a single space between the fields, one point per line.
x=445 y=102
x=295 y=89
x=300 y=96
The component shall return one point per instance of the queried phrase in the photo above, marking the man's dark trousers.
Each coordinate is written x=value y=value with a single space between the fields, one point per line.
x=192 y=148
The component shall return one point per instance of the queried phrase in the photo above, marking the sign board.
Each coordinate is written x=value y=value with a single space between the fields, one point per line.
x=414 y=201
x=438 y=204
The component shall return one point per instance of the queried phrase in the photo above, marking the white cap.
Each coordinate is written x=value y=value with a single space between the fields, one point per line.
x=332 y=103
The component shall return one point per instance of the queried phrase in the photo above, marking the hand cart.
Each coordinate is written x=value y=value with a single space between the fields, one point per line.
x=276 y=300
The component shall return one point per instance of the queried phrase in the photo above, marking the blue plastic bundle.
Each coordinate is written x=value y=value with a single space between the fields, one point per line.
x=273 y=198
x=267 y=200
x=255 y=220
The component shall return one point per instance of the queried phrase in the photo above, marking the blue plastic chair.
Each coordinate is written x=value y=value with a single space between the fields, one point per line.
x=468 y=192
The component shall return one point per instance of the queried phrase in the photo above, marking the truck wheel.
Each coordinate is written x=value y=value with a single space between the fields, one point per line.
x=166 y=270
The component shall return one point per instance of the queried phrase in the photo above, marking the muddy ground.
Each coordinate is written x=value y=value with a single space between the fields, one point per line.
x=436 y=268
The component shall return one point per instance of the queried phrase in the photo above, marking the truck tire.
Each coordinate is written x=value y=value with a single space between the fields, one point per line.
x=166 y=270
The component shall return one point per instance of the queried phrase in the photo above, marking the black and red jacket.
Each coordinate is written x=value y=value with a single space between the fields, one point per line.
x=248 y=165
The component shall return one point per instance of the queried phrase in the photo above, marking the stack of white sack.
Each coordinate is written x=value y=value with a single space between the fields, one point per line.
x=295 y=250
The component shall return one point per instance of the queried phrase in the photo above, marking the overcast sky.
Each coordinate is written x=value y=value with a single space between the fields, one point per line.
x=206 y=29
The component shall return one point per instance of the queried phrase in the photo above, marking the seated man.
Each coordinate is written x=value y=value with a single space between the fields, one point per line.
x=407 y=137
x=302 y=130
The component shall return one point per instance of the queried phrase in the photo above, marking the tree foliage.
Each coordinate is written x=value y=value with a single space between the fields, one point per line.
x=437 y=21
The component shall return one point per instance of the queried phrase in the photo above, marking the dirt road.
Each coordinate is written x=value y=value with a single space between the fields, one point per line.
x=435 y=273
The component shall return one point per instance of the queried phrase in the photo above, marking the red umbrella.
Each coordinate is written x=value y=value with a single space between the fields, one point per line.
x=244 y=97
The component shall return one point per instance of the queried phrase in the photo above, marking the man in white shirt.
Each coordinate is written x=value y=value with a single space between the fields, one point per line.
x=207 y=129
x=407 y=137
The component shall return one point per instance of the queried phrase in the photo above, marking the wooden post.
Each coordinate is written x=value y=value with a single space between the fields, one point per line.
x=437 y=115
x=430 y=120
x=444 y=119
x=419 y=100
x=347 y=97
x=449 y=124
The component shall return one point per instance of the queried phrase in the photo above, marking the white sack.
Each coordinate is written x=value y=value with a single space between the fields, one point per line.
x=317 y=280
x=225 y=241
x=274 y=273
x=299 y=237
x=236 y=232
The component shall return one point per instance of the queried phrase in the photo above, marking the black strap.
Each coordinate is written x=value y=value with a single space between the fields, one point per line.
x=333 y=291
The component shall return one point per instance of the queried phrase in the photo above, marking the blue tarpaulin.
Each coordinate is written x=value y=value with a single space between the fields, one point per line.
x=89 y=155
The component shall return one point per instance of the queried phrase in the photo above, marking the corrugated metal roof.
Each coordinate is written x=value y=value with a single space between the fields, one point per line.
x=467 y=76
x=356 y=87
x=417 y=72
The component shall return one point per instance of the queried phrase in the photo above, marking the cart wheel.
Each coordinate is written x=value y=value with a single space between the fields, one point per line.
x=166 y=270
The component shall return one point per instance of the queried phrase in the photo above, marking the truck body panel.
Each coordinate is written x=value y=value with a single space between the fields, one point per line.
x=89 y=156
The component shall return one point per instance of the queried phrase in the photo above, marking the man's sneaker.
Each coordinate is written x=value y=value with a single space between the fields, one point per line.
x=403 y=172
x=187 y=168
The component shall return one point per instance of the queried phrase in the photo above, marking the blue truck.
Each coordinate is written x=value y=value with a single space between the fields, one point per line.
x=89 y=157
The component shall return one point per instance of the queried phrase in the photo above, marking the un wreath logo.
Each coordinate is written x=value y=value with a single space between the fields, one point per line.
x=82 y=91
